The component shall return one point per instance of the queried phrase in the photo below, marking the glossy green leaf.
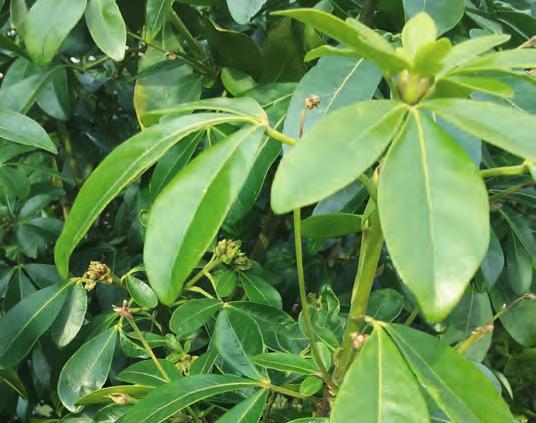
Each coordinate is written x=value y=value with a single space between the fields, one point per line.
x=385 y=304
x=12 y=379
x=419 y=30
x=311 y=385
x=455 y=384
x=333 y=225
x=445 y=13
x=483 y=84
x=286 y=362
x=518 y=266
x=155 y=16
x=237 y=339
x=21 y=129
x=235 y=81
x=505 y=127
x=23 y=324
x=193 y=314
x=434 y=218
x=243 y=10
x=521 y=229
x=260 y=291
x=141 y=292
x=493 y=263
x=87 y=369
x=523 y=58
x=248 y=411
x=107 y=27
x=362 y=39
x=226 y=281
x=106 y=395
x=199 y=199
x=146 y=373
x=167 y=400
x=519 y=320
x=327 y=50
x=298 y=183
x=47 y=24
x=379 y=387
x=120 y=168
x=71 y=317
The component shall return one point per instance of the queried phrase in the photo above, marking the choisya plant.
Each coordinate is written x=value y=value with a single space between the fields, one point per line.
x=428 y=204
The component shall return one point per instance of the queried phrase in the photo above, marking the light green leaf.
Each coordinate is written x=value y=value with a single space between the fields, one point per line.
x=435 y=218
x=24 y=324
x=155 y=16
x=167 y=400
x=226 y=281
x=311 y=385
x=286 y=362
x=508 y=128
x=193 y=314
x=106 y=395
x=332 y=225
x=362 y=39
x=357 y=134
x=445 y=13
x=483 y=84
x=455 y=384
x=385 y=304
x=418 y=31
x=107 y=27
x=21 y=129
x=146 y=373
x=71 y=317
x=243 y=10
x=121 y=167
x=260 y=291
x=87 y=369
x=379 y=387
x=523 y=58
x=238 y=338
x=198 y=198
x=47 y=24
x=248 y=411
x=141 y=292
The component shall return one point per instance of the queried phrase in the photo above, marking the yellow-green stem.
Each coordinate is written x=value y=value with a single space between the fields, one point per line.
x=279 y=136
x=505 y=171
x=207 y=268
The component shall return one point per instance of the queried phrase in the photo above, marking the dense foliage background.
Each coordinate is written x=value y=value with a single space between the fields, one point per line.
x=89 y=73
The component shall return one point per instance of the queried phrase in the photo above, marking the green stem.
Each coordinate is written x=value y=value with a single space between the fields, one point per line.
x=148 y=349
x=511 y=190
x=207 y=268
x=412 y=316
x=66 y=142
x=369 y=185
x=505 y=171
x=285 y=391
x=303 y=297
x=369 y=256
x=279 y=136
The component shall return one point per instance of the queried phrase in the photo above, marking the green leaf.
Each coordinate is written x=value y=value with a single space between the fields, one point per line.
x=298 y=182
x=141 y=292
x=493 y=263
x=54 y=98
x=523 y=58
x=235 y=81
x=435 y=218
x=327 y=50
x=106 y=395
x=418 y=31
x=237 y=339
x=379 y=387
x=87 y=369
x=445 y=13
x=12 y=379
x=243 y=10
x=155 y=16
x=362 y=39
x=210 y=183
x=286 y=362
x=260 y=291
x=107 y=27
x=333 y=225
x=455 y=384
x=247 y=411
x=193 y=314
x=518 y=320
x=47 y=24
x=226 y=281
x=121 y=167
x=146 y=373
x=311 y=385
x=385 y=304
x=521 y=229
x=518 y=266
x=505 y=127
x=481 y=83
x=21 y=129
x=167 y=400
x=71 y=317
x=24 y=324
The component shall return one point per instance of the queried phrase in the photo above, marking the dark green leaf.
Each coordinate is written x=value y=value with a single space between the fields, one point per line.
x=155 y=16
x=106 y=395
x=260 y=291
x=193 y=314
x=146 y=373
x=286 y=362
x=141 y=292
x=71 y=317
x=247 y=411
x=325 y=226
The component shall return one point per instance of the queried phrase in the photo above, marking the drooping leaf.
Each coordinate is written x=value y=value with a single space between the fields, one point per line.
x=47 y=24
x=71 y=317
x=146 y=373
x=23 y=130
x=141 y=292
x=379 y=387
x=435 y=218
x=505 y=127
x=198 y=199
x=121 y=167
x=193 y=314
x=23 y=324
x=87 y=369
x=167 y=400
x=238 y=338
x=298 y=183
x=333 y=225
x=286 y=362
x=247 y=411
x=107 y=27
x=455 y=384
x=260 y=291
